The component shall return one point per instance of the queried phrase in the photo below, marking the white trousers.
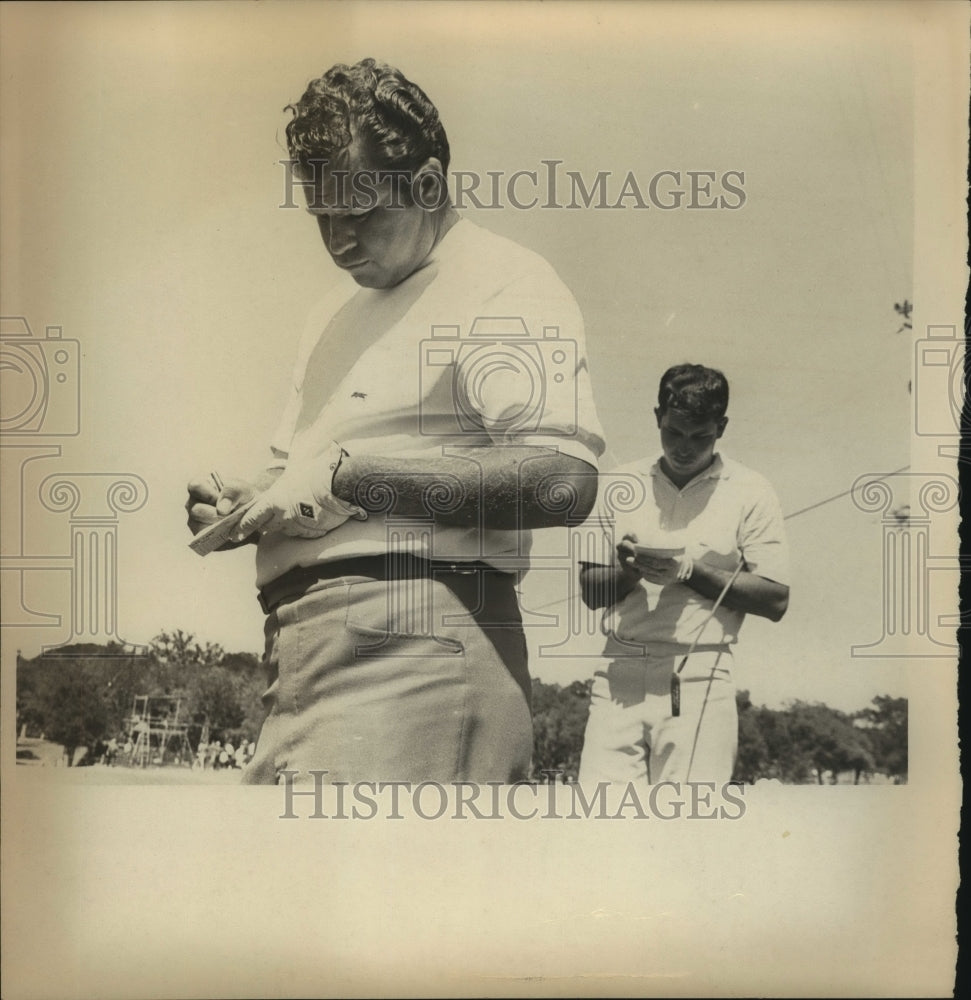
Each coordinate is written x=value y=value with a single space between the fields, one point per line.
x=632 y=735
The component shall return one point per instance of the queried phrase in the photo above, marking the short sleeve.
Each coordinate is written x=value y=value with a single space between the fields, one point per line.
x=762 y=537
x=524 y=371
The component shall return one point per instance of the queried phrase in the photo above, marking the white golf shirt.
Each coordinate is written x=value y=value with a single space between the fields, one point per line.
x=482 y=345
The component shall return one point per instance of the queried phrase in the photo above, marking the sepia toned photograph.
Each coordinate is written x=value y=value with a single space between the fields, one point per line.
x=450 y=449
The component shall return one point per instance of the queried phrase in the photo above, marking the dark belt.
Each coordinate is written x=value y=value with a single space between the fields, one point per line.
x=392 y=566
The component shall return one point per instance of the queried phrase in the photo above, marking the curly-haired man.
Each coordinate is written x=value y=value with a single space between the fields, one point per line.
x=441 y=406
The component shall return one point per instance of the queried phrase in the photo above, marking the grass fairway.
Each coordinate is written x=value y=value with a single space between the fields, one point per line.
x=44 y=761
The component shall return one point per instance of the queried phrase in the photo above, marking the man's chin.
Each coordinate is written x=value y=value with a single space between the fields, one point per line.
x=368 y=278
x=684 y=471
x=376 y=279
x=683 y=467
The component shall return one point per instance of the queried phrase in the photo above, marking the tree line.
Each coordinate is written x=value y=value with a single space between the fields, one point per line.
x=81 y=695
x=799 y=744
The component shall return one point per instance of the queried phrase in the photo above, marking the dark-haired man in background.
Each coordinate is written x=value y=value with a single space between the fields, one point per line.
x=727 y=523
x=411 y=463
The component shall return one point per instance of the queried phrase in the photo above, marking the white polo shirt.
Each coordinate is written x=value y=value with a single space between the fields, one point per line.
x=725 y=513
x=483 y=345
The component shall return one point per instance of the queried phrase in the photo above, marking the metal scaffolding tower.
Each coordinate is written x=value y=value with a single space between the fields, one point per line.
x=157 y=731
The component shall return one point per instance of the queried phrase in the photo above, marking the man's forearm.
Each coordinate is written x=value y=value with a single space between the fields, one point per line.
x=750 y=593
x=603 y=586
x=506 y=488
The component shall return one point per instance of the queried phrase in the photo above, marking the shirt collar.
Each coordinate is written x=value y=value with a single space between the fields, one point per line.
x=717 y=470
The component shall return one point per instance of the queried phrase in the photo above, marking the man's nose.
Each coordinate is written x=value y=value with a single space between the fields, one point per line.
x=338 y=233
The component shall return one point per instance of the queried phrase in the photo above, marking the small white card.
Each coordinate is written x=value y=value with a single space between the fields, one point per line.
x=218 y=533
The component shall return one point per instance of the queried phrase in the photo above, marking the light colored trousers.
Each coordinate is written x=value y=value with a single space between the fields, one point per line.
x=631 y=734
x=403 y=680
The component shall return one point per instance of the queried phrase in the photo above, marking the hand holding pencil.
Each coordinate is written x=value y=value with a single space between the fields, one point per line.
x=214 y=502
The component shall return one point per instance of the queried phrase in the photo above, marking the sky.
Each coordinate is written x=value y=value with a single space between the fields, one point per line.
x=142 y=215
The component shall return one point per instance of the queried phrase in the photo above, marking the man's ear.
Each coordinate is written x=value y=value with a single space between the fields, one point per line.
x=657 y=415
x=428 y=186
x=722 y=424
